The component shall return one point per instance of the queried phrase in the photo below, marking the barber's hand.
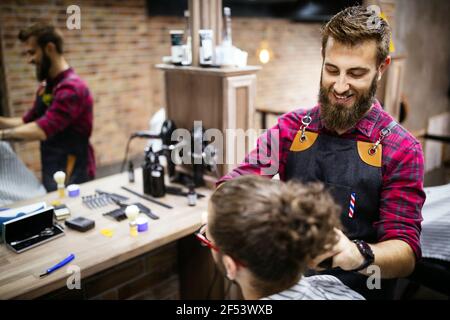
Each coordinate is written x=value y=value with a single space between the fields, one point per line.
x=345 y=254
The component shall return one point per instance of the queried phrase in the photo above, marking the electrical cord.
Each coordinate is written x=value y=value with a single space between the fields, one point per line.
x=125 y=158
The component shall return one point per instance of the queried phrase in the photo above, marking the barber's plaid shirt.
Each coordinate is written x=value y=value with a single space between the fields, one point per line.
x=402 y=194
x=71 y=108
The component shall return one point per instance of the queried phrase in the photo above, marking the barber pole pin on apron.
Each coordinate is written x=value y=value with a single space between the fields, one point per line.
x=351 y=209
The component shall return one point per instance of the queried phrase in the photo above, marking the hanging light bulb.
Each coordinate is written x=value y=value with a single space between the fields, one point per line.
x=264 y=52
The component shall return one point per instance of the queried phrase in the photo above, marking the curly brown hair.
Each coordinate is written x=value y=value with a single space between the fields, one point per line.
x=274 y=228
x=355 y=25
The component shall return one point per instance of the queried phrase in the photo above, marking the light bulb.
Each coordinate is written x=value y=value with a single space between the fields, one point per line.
x=264 y=56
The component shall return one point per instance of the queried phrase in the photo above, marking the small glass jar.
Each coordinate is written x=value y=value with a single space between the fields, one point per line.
x=133 y=229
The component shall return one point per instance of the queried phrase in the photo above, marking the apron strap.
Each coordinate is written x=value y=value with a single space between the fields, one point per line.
x=383 y=134
x=388 y=129
x=71 y=160
x=306 y=121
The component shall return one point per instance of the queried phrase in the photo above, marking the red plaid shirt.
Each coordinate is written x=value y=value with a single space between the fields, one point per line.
x=71 y=108
x=402 y=194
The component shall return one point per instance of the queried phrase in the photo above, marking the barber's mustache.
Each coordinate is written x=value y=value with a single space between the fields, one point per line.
x=345 y=93
x=330 y=89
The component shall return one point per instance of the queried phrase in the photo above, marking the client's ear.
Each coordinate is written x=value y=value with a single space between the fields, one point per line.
x=230 y=267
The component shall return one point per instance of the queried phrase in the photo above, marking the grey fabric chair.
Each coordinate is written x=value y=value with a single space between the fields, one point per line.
x=17 y=182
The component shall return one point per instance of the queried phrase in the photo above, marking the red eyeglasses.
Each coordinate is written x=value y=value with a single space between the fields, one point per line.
x=204 y=241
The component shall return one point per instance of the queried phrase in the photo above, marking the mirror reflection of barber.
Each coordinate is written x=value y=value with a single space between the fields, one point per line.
x=372 y=166
x=62 y=114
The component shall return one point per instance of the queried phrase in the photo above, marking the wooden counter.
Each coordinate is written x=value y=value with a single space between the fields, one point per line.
x=93 y=251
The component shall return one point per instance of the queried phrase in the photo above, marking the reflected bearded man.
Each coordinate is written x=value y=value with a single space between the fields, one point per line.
x=61 y=117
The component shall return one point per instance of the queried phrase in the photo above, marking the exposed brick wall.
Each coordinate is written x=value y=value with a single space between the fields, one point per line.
x=290 y=79
x=118 y=45
x=111 y=53
x=115 y=51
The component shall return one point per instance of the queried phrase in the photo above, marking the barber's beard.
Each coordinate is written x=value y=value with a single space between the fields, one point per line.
x=43 y=68
x=340 y=117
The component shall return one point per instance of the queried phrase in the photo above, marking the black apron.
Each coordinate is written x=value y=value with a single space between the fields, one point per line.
x=65 y=151
x=351 y=171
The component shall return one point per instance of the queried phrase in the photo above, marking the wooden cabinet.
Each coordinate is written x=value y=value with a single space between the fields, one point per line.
x=220 y=98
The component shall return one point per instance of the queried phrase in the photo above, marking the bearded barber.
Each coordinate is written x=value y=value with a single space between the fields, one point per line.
x=372 y=166
x=62 y=114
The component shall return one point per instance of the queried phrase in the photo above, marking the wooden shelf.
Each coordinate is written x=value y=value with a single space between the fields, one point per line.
x=224 y=72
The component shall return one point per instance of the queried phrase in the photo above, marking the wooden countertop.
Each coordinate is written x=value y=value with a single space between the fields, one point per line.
x=223 y=72
x=19 y=273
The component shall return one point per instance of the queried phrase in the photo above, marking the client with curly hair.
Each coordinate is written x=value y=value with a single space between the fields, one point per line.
x=263 y=234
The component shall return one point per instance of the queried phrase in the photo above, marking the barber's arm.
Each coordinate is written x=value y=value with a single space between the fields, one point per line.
x=269 y=156
x=399 y=225
x=394 y=258
x=64 y=108
x=27 y=132
x=6 y=122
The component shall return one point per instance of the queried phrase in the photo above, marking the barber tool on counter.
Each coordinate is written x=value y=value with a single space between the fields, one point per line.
x=147 y=197
x=120 y=214
x=192 y=196
x=73 y=190
x=60 y=178
x=202 y=155
x=31 y=230
x=132 y=213
x=101 y=199
x=59 y=265
x=62 y=212
x=153 y=175
x=168 y=127
x=137 y=220
x=130 y=172
x=203 y=158
x=81 y=224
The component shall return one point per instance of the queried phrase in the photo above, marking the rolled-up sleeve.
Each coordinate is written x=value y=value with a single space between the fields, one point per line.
x=402 y=198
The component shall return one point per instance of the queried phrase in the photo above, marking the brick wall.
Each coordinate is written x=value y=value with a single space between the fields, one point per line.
x=115 y=51
x=118 y=44
x=111 y=53
x=290 y=79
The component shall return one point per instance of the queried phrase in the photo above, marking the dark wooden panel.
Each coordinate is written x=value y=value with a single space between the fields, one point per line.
x=198 y=276
x=194 y=97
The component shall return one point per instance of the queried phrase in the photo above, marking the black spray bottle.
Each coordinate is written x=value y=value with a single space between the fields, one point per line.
x=158 y=186
x=147 y=170
x=130 y=172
